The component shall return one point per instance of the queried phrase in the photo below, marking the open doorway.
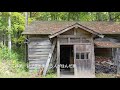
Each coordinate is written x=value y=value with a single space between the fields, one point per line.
x=66 y=60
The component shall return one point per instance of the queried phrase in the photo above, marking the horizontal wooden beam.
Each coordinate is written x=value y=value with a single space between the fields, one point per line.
x=71 y=36
x=75 y=43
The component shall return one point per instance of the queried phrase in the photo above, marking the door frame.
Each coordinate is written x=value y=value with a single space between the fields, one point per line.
x=74 y=47
x=59 y=58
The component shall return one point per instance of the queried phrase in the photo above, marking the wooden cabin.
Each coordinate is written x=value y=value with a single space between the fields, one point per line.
x=70 y=47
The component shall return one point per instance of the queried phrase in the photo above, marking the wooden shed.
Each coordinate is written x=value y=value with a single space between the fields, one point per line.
x=68 y=46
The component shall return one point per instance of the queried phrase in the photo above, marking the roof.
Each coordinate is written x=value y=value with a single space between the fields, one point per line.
x=51 y=27
x=76 y=25
x=107 y=43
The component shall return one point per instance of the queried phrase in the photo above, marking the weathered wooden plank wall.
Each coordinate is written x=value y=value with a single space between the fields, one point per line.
x=83 y=44
x=38 y=51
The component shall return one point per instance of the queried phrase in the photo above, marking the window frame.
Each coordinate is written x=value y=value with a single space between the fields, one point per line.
x=86 y=55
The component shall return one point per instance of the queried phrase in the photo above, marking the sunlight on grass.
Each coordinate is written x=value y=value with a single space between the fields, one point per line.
x=103 y=75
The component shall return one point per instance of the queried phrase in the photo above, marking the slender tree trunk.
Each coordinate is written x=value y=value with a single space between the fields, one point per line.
x=26 y=19
x=30 y=14
x=98 y=16
x=9 y=30
x=110 y=16
x=3 y=38
x=26 y=24
x=68 y=17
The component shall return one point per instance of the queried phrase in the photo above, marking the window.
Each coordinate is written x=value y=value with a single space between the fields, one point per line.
x=82 y=56
x=87 y=55
x=77 y=55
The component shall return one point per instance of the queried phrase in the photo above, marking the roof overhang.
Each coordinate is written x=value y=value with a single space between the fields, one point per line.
x=76 y=25
x=106 y=43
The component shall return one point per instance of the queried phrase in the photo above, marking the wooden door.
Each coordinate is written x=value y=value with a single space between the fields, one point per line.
x=83 y=60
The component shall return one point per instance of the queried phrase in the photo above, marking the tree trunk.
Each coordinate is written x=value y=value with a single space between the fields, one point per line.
x=110 y=16
x=30 y=14
x=26 y=19
x=26 y=24
x=9 y=30
x=98 y=16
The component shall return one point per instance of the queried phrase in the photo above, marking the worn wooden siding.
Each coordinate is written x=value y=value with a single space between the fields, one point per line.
x=38 y=51
x=117 y=59
x=84 y=40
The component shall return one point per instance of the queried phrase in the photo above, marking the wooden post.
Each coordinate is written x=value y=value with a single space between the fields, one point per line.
x=58 y=58
x=118 y=61
x=93 y=57
x=75 y=67
x=75 y=31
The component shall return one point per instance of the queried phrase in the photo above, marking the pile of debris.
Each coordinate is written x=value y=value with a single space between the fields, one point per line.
x=105 y=65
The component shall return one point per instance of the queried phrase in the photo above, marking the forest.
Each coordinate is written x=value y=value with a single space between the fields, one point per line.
x=12 y=42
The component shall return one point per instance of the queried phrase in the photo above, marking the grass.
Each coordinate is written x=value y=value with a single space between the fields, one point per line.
x=17 y=69
x=25 y=75
x=103 y=75
x=12 y=65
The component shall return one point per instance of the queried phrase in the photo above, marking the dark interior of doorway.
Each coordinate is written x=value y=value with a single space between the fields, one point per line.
x=66 y=59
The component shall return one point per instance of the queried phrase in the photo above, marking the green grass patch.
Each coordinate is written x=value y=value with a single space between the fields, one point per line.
x=103 y=75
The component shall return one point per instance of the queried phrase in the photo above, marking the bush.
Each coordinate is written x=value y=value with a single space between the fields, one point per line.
x=12 y=65
x=10 y=61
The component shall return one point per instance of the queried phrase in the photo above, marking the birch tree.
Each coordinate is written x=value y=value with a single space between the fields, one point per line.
x=9 y=31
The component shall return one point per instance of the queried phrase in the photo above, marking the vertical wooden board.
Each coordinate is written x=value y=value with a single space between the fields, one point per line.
x=83 y=65
x=58 y=57
x=93 y=58
x=88 y=48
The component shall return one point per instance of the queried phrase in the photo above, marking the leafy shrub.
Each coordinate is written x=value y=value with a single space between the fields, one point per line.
x=9 y=61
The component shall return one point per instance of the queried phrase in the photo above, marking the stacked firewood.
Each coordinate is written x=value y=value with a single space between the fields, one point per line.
x=104 y=65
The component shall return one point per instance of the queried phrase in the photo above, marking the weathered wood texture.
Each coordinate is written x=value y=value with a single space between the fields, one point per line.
x=58 y=57
x=84 y=59
x=75 y=36
x=83 y=50
x=118 y=60
x=49 y=57
x=38 y=51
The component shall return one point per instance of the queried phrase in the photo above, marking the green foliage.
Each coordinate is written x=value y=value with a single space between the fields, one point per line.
x=18 y=21
x=11 y=60
x=50 y=74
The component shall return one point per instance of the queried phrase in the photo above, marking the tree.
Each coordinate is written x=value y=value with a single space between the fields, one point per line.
x=26 y=24
x=26 y=19
x=9 y=31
